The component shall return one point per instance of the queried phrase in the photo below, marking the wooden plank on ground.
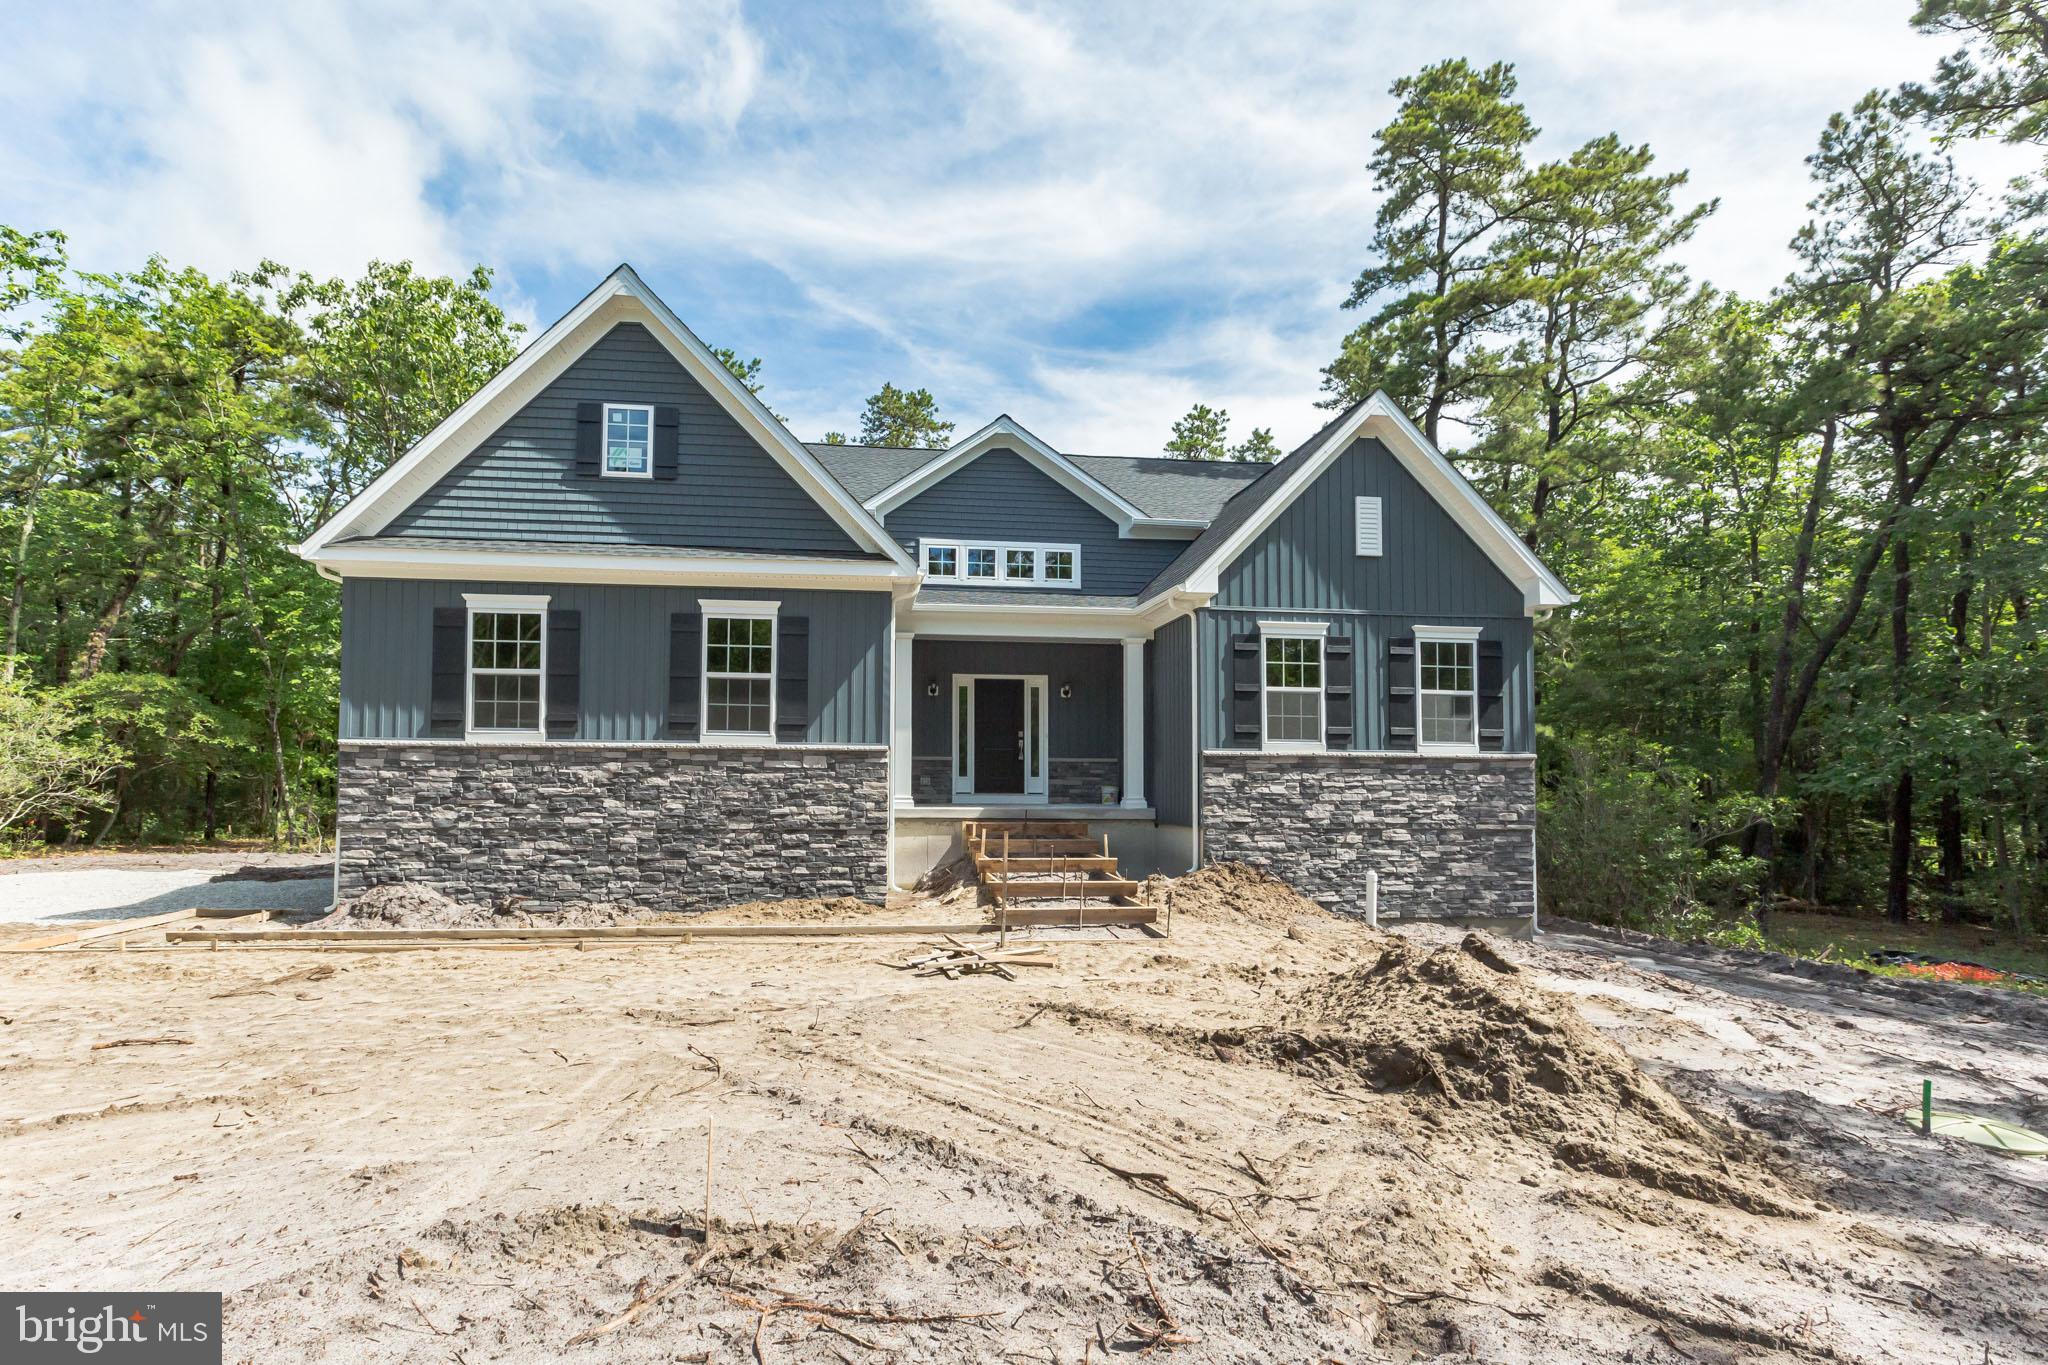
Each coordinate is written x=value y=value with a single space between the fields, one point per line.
x=546 y=932
x=87 y=935
x=1021 y=916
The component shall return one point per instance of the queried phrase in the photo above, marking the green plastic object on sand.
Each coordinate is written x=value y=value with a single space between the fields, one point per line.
x=2009 y=1138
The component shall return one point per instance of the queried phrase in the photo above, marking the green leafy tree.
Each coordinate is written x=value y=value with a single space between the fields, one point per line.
x=748 y=372
x=1204 y=434
x=908 y=418
x=1996 y=83
x=49 y=770
x=1449 y=170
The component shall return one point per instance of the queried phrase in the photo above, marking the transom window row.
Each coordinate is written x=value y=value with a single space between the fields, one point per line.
x=998 y=565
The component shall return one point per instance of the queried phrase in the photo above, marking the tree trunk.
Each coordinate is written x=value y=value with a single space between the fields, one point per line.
x=212 y=804
x=21 y=544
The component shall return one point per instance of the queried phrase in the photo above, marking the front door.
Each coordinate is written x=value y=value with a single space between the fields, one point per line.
x=999 y=736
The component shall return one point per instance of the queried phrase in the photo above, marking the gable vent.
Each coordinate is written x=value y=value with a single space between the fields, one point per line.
x=1368 y=526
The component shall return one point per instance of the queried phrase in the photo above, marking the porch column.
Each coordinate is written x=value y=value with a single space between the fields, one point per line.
x=900 y=692
x=1134 y=724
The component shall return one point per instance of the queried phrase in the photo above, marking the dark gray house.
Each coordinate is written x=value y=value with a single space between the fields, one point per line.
x=612 y=632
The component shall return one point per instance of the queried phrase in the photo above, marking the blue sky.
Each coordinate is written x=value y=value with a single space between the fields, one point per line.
x=1087 y=215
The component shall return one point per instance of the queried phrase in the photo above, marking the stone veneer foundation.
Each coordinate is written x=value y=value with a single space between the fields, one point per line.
x=1449 y=836
x=658 y=826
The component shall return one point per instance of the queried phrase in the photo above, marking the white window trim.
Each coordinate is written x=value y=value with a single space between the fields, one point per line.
x=487 y=603
x=1295 y=630
x=740 y=611
x=1003 y=577
x=604 y=454
x=1461 y=635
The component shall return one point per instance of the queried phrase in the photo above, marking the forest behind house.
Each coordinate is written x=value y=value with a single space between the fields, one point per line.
x=1809 y=530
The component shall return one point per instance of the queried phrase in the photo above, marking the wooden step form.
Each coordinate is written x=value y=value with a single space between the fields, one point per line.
x=1046 y=859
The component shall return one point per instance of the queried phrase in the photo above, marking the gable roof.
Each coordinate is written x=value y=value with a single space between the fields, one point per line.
x=622 y=297
x=1197 y=568
x=1006 y=433
x=1162 y=487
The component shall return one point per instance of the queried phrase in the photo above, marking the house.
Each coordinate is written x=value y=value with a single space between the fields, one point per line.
x=611 y=632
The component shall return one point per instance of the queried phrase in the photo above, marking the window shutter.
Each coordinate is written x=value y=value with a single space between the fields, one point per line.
x=792 y=678
x=565 y=673
x=667 y=442
x=1366 y=512
x=1401 y=693
x=589 y=439
x=685 y=673
x=1246 y=694
x=1339 y=701
x=446 y=713
x=1493 y=732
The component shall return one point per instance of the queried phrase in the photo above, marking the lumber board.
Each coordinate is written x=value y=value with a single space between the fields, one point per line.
x=609 y=933
x=1026 y=916
x=88 y=934
x=1037 y=886
x=1092 y=863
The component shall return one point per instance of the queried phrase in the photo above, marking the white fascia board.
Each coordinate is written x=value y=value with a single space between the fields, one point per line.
x=389 y=560
x=622 y=297
x=972 y=620
x=1377 y=416
x=1005 y=430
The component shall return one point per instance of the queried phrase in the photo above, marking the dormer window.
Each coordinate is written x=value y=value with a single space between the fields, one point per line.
x=1001 y=565
x=628 y=441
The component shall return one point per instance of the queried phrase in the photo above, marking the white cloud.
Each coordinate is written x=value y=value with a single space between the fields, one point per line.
x=1089 y=215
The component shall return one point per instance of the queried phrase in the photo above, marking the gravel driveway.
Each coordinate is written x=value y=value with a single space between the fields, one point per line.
x=115 y=886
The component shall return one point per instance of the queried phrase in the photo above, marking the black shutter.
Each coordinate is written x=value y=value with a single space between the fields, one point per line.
x=1247 y=668
x=792 y=678
x=667 y=442
x=1492 y=717
x=565 y=673
x=1401 y=693
x=445 y=714
x=1339 y=703
x=589 y=438
x=685 y=673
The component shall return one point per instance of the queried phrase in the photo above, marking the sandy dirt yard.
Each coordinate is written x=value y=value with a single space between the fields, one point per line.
x=1277 y=1136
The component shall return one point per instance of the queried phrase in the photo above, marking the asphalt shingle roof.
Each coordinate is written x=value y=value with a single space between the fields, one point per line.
x=1182 y=490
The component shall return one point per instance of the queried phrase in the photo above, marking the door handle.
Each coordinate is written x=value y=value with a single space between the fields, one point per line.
x=1020 y=744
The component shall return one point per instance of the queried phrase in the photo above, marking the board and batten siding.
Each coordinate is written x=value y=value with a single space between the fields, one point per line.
x=521 y=482
x=1171 y=715
x=387 y=637
x=1002 y=496
x=1305 y=566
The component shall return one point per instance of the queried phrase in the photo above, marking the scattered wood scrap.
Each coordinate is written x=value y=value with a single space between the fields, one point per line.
x=320 y=973
x=959 y=959
x=140 y=1042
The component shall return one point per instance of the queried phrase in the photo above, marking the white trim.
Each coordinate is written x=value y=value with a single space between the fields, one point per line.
x=679 y=746
x=749 y=611
x=1378 y=417
x=394 y=559
x=1295 y=630
x=490 y=604
x=1446 y=635
x=963 y=787
x=719 y=606
x=902 y=712
x=1403 y=755
x=497 y=601
x=604 y=450
x=1133 y=773
x=1307 y=630
x=622 y=297
x=1003 y=577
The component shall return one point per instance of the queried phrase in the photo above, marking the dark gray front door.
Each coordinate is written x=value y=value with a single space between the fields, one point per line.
x=999 y=736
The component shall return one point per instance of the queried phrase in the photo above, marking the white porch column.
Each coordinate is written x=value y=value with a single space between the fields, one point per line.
x=1134 y=724
x=900 y=690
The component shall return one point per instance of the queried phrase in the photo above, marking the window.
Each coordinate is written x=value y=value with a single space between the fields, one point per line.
x=628 y=441
x=1366 y=528
x=506 y=659
x=1446 y=690
x=739 y=674
x=1293 y=684
x=1008 y=564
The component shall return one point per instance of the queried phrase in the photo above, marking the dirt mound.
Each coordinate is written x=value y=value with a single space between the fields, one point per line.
x=1234 y=893
x=831 y=910
x=408 y=905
